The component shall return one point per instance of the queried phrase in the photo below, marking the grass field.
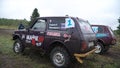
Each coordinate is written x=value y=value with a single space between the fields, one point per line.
x=33 y=59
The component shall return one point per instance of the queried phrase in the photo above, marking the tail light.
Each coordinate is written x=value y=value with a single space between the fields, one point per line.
x=84 y=45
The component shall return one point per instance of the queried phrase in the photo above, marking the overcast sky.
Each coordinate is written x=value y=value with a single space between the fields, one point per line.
x=105 y=12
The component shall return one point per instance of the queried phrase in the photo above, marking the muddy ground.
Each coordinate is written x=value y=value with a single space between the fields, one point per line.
x=7 y=62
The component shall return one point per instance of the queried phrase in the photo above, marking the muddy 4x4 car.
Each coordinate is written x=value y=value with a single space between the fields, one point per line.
x=63 y=38
x=105 y=38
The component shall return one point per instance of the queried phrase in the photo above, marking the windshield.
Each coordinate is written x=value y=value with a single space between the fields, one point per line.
x=85 y=26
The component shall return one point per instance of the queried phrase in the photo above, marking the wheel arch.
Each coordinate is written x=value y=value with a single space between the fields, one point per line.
x=56 y=44
x=16 y=37
x=101 y=41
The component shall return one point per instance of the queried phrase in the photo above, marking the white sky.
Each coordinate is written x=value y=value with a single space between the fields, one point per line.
x=105 y=12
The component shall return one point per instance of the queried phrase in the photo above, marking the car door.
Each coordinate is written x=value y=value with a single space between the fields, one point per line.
x=36 y=34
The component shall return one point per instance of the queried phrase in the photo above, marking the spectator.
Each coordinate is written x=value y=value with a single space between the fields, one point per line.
x=21 y=26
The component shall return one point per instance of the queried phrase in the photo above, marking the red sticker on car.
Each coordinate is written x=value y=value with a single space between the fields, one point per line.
x=40 y=39
x=33 y=42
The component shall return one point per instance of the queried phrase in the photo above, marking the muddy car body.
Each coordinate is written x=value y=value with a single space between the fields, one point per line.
x=61 y=37
x=105 y=37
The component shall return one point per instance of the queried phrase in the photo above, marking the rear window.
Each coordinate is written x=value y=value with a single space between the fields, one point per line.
x=85 y=26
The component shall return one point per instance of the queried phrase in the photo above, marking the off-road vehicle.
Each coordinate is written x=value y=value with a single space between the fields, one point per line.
x=63 y=38
x=105 y=38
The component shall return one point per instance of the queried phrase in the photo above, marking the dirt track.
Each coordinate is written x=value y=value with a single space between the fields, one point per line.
x=6 y=31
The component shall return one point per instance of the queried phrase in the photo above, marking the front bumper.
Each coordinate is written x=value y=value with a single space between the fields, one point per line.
x=79 y=56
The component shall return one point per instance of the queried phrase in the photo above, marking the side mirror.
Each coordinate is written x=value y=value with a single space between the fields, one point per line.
x=21 y=26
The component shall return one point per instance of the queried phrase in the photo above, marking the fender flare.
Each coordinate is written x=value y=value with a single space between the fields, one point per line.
x=16 y=36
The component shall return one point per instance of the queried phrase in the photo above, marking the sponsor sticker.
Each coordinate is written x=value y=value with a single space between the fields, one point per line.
x=100 y=35
x=67 y=36
x=34 y=40
x=53 y=34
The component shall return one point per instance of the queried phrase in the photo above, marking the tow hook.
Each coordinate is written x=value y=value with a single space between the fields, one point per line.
x=79 y=56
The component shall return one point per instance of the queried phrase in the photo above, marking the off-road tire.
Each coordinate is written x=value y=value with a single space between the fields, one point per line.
x=60 y=57
x=18 y=47
x=100 y=48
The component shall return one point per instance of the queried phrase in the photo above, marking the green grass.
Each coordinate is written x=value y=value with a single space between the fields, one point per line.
x=5 y=44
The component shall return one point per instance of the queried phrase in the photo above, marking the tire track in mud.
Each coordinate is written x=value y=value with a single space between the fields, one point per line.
x=6 y=31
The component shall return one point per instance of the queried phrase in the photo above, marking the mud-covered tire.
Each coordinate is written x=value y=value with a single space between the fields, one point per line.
x=60 y=57
x=100 y=48
x=18 y=47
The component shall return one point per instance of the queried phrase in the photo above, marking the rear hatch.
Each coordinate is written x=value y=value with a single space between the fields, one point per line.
x=113 y=38
x=89 y=39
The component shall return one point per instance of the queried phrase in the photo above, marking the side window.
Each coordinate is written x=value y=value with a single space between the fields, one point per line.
x=100 y=30
x=60 y=23
x=39 y=25
x=56 y=23
x=97 y=29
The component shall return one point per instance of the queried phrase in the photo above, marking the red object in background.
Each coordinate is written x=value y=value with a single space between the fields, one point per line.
x=40 y=39
x=33 y=42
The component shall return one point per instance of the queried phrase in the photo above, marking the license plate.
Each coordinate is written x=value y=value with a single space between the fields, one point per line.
x=91 y=44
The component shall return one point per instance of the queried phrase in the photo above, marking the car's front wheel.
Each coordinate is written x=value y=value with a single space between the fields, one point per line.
x=60 y=57
x=18 y=47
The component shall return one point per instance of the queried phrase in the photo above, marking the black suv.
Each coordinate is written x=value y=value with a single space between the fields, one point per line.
x=62 y=38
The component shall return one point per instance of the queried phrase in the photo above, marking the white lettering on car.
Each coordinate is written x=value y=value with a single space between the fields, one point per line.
x=30 y=37
x=23 y=36
x=34 y=40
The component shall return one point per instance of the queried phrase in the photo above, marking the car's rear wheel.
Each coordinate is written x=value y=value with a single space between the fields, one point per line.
x=60 y=57
x=18 y=46
x=100 y=48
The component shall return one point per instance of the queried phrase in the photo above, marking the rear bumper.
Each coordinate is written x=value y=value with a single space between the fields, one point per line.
x=79 y=56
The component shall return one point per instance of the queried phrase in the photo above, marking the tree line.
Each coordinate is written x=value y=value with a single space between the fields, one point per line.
x=12 y=22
